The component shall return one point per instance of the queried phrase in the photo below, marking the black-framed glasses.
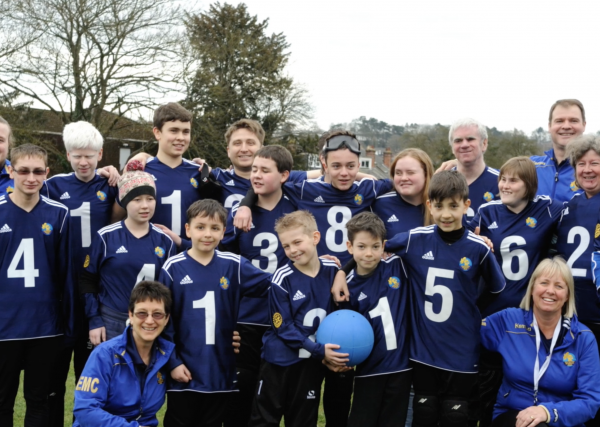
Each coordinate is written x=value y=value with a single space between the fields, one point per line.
x=142 y=315
x=336 y=142
x=27 y=171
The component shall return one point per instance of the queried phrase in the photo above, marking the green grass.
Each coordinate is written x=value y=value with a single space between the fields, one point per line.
x=19 y=415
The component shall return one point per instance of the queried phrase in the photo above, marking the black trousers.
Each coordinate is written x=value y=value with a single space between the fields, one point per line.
x=36 y=357
x=337 y=397
x=381 y=400
x=192 y=409
x=292 y=392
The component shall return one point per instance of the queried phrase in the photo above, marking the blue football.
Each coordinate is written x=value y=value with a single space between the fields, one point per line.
x=351 y=331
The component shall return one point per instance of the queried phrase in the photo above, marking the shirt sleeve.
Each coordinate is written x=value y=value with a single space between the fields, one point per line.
x=491 y=273
x=230 y=242
x=398 y=244
x=297 y=176
x=491 y=331
x=66 y=274
x=253 y=281
x=92 y=266
x=169 y=333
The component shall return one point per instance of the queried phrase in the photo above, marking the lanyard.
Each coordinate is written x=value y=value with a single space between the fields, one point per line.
x=537 y=371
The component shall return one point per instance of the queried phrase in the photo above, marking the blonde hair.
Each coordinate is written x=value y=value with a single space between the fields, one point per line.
x=296 y=219
x=552 y=267
x=427 y=165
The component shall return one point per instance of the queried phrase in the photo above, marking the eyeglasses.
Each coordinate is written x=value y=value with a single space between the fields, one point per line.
x=336 y=142
x=27 y=172
x=142 y=315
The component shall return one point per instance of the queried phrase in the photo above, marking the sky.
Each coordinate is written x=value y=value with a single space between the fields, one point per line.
x=502 y=62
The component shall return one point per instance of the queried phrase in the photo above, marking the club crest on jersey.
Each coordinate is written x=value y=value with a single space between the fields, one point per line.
x=277 y=320
x=101 y=195
x=9 y=189
x=569 y=359
x=597 y=233
x=394 y=282
x=358 y=199
x=224 y=283
x=488 y=197
x=160 y=378
x=160 y=252
x=86 y=263
x=47 y=228
x=194 y=183
x=466 y=263
x=531 y=222
x=574 y=186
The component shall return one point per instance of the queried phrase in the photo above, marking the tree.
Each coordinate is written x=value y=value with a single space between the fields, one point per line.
x=82 y=58
x=236 y=70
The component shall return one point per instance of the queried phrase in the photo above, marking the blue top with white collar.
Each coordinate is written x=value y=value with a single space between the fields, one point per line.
x=483 y=190
x=397 y=215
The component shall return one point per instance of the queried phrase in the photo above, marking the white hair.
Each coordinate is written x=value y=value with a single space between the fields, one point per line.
x=467 y=123
x=82 y=135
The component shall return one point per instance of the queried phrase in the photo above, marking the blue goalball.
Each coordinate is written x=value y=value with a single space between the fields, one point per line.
x=351 y=331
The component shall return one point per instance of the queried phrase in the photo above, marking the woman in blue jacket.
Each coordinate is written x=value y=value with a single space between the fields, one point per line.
x=550 y=360
x=123 y=382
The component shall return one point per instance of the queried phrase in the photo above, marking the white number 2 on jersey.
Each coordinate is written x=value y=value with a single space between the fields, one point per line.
x=431 y=289
x=28 y=272
x=584 y=241
x=309 y=320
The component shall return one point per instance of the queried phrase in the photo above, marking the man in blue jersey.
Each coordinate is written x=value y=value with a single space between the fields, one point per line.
x=291 y=372
x=91 y=200
x=556 y=177
x=36 y=296
x=270 y=169
x=207 y=286
x=379 y=291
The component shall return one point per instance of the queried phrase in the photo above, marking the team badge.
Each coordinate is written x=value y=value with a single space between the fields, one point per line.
x=101 y=195
x=465 y=263
x=488 y=197
x=277 y=320
x=574 y=186
x=194 y=183
x=160 y=378
x=86 y=263
x=597 y=233
x=9 y=189
x=569 y=359
x=224 y=283
x=160 y=252
x=531 y=222
x=47 y=228
x=394 y=282
x=358 y=199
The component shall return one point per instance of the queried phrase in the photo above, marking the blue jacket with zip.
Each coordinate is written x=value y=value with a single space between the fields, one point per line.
x=556 y=181
x=108 y=392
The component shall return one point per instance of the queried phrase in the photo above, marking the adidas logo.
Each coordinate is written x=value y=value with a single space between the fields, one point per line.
x=566 y=211
x=319 y=200
x=299 y=295
x=186 y=280
x=153 y=177
x=5 y=229
x=65 y=196
x=429 y=256
x=494 y=225
x=230 y=183
x=122 y=250
x=393 y=219
x=362 y=296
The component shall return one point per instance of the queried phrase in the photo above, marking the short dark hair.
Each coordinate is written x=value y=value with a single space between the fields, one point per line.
x=448 y=185
x=169 y=113
x=153 y=291
x=252 y=125
x=209 y=208
x=366 y=221
x=280 y=155
x=567 y=103
x=341 y=147
x=28 y=150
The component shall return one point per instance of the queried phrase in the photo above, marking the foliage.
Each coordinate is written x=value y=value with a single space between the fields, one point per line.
x=236 y=70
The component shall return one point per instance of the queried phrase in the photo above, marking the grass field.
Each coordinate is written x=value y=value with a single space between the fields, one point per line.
x=20 y=405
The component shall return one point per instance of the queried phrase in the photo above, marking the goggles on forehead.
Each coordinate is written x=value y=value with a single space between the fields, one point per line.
x=336 y=142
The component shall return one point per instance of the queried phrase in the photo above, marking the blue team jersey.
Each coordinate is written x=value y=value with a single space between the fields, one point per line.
x=206 y=301
x=444 y=282
x=262 y=247
x=122 y=261
x=397 y=215
x=35 y=268
x=483 y=190
x=333 y=208
x=176 y=190
x=575 y=243
x=6 y=183
x=90 y=205
x=555 y=181
x=298 y=304
x=521 y=241
x=382 y=297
